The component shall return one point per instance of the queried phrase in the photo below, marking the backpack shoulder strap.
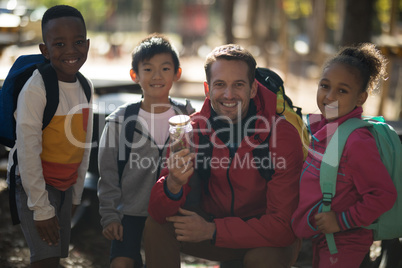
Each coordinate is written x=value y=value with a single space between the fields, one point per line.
x=85 y=85
x=127 y=135
x=12 y=201
x=182 y=108
x=261 y=152
x=204 y=156
x=329 y=167
x=49 y=77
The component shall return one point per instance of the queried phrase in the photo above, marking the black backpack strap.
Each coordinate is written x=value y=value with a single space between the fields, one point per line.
x=203 y=160
x=127 y=135
x=182 y=108
x=85 y=85
x=262 y=152
x=49 y=77
x=12 y=193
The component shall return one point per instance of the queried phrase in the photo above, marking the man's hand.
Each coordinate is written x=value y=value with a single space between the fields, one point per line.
x=49 y=230
x=326 y=222
x=114 y=231
x=191 y=227
x=180 y=166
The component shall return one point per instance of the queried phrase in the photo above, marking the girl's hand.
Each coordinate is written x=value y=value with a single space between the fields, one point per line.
x=326 y=222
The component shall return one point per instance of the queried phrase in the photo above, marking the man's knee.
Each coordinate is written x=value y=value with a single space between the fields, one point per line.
x=50 y=262
x=272 y=256
x=154 y=229
x=162 y=249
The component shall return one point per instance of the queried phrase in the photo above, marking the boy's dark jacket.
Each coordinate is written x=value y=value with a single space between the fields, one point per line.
x=249 y=211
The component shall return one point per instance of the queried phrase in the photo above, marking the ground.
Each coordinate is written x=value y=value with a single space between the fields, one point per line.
x=88 y=248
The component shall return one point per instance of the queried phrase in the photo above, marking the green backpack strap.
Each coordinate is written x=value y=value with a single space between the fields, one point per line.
x=330 y=164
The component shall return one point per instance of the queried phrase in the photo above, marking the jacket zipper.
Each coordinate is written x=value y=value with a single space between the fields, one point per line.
x=159 y=164
x=231 y=186
x=160 y=158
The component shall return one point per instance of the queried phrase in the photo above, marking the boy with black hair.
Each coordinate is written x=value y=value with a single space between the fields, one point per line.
x=52 y=162
x=124 y=190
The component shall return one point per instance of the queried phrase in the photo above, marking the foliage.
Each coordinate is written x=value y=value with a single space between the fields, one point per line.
x=296 y=9
x=94 y=11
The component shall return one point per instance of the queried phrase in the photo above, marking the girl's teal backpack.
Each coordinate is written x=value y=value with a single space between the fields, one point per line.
x=389 y=224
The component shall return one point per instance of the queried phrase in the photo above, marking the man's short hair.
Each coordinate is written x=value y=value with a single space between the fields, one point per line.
x=152 y=45
x=231 y=52
x=60 y=11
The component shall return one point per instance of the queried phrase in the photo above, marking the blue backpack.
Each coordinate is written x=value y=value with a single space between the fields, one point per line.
x=389 y=224
x=18 y=75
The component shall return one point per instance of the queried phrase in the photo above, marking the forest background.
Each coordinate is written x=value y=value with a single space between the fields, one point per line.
x=294 y=37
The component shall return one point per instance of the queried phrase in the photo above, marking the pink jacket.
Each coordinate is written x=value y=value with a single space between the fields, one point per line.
x=364 y=189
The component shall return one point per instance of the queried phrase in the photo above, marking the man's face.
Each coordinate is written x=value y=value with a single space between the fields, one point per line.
x=229 y=89
x=66 y=46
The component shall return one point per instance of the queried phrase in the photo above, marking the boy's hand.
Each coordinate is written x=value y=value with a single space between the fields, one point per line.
x=180 y=166
x=49 y=230
x=114 y=231
x=326 y=222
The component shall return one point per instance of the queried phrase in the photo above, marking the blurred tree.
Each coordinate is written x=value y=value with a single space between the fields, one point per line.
x=317 y=30
x=252 y=19
x=94 y=11
x=156 y=19
x=358 y=18
x=228 y=7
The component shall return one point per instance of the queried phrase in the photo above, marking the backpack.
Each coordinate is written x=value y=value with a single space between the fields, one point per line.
x=389 y=224
x=284 y=105
x=18 y=75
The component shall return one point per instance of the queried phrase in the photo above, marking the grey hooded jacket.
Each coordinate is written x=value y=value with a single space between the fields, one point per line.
x=128 y=195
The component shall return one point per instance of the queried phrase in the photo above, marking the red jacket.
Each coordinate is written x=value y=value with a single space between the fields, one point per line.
x=364 y=189
x=248 y=210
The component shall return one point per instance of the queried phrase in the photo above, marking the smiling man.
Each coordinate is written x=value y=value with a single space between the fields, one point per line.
x=243 y=210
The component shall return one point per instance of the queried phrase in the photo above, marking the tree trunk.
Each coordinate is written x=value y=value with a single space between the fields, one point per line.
x=155 y=23
x=252 y=18
x=228 y=7
x=358 y=22
x=317 y=30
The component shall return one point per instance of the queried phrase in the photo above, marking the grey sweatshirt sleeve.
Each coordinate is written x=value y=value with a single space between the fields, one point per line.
x=109 y=190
